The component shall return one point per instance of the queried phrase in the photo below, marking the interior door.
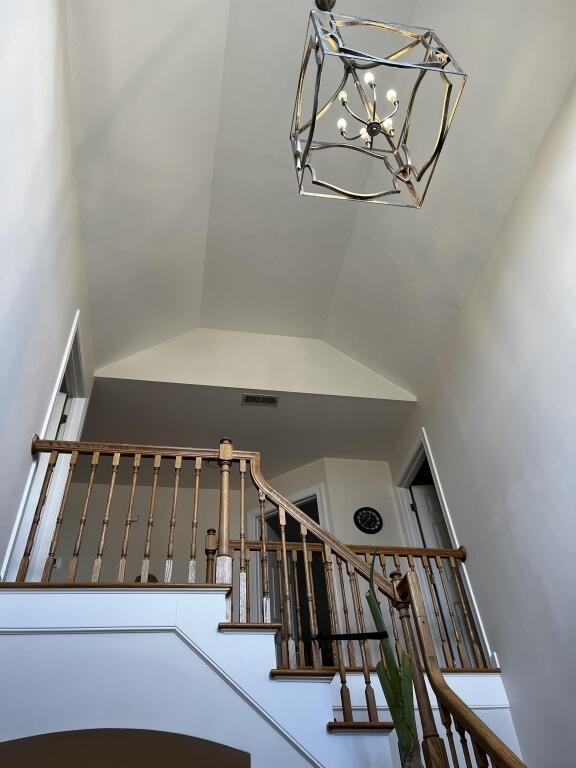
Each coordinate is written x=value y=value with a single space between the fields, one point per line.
x=431 y=522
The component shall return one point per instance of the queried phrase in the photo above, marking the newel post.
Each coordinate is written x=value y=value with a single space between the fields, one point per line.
x=224 y=558
x=433 y=747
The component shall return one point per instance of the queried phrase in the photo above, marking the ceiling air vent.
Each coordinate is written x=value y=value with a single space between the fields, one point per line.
x=268 y=401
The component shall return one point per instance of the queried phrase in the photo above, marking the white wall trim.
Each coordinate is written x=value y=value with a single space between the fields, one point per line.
x=73 y=354
x=421 y=449
x=243 y=694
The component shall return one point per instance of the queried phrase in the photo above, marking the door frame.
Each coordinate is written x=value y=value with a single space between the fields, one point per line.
x=422 y=449
x=72 y=370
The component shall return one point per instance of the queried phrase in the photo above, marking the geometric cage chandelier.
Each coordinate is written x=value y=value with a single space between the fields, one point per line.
x=374 y=104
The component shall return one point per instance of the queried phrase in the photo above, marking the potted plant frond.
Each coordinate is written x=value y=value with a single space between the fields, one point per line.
x=396 y=682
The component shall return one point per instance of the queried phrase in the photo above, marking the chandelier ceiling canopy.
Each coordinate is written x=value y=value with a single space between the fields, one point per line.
x=374 y=104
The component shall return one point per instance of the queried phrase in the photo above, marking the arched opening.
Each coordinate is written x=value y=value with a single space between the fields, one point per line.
x=118 y=746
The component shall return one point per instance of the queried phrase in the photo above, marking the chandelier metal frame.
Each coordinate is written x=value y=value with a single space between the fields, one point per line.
x=326 y=39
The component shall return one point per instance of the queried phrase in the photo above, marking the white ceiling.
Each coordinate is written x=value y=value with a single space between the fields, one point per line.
x=181 y=112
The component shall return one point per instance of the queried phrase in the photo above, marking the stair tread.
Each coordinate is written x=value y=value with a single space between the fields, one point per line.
x=303 y=672
x=338 y=726
x=233 y=626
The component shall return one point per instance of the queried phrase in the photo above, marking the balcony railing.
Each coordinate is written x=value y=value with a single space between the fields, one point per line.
x=293 y=573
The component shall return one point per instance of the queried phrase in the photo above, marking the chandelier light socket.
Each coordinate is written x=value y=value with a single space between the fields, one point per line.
x=374 y=104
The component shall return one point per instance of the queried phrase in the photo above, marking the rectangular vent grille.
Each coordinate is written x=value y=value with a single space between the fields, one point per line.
x=267 y=401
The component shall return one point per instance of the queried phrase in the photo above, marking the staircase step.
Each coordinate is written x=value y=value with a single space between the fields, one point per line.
x=338 y=726
x=305 y=673
x=235 y=626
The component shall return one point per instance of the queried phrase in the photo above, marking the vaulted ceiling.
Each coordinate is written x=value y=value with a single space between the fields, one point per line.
x=189 y=209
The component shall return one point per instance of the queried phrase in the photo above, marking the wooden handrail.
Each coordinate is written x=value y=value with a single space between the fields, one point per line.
x=130 y=449
x=409 y=590
x=340 y=549
x=457 y=554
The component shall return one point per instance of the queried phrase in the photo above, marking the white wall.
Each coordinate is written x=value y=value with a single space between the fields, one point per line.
x=255 y=361
x=500 y=412
x=348 y=484
x=42 y=283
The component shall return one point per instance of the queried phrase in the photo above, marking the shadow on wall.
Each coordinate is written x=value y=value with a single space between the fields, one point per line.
x=95 y=748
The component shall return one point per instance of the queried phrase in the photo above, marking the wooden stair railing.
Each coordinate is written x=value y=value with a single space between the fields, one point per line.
x=310 y=586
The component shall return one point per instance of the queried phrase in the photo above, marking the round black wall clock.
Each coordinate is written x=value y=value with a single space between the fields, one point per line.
x=368 y=520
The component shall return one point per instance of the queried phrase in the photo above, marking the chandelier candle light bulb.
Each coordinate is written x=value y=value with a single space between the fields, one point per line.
x=424 y=72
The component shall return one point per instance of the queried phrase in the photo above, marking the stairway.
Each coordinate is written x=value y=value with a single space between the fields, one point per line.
x=137 y=658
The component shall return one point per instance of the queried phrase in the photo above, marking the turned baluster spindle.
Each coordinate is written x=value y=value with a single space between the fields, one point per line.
x=446 y=719
x=356 y=602
x=210 y=550
x=349 y=645
x=290 y=642
x=464 y=743
x=462 y=655
x=223 y=558
x=50 y=560
x=335 y=629
x=446 y=650
x=194 y=537
x=248 y=619
x=264 y=560
x=73 y=565
x=129 y=520
x=392 y=612
x=310 y=599
x=300 y=641
x=150 y=522
x=25 y=562
x=243 y=583
x=479 y=657
x=170 y=552
x=105 y=520
x=284 y=663
x=480 y=756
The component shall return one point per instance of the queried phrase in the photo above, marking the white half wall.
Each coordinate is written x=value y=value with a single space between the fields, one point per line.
x=255 y=361
x=42 y=283
x=500 y=412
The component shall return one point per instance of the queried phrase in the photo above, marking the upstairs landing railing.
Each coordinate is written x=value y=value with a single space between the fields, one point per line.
x=312 y=586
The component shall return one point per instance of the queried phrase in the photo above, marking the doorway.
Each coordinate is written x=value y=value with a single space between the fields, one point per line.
x=425 y=506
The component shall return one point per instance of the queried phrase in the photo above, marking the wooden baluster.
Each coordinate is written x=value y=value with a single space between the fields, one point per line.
x=105 y=520
x=349 y=645
x=284 y=663
x=210 y=550
x=479 y=657
x=446 y=650
x=193 y=543
x=49 y=564
x=310 y=599
x=223 y=559
x=170 y=552
x=73 y=565
x=391 y=610
x=25 y=562
x=243 y=613
x=480 y=756
x=446 y=718
x=464 y=743
x=264 y=561
x=369 y=691
x=300 y=641
x=128 y=522
x=150 y=523
x=462 y=655
x=335 y=629
x=248 y=618
x=290 y=643
x=433 y=747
